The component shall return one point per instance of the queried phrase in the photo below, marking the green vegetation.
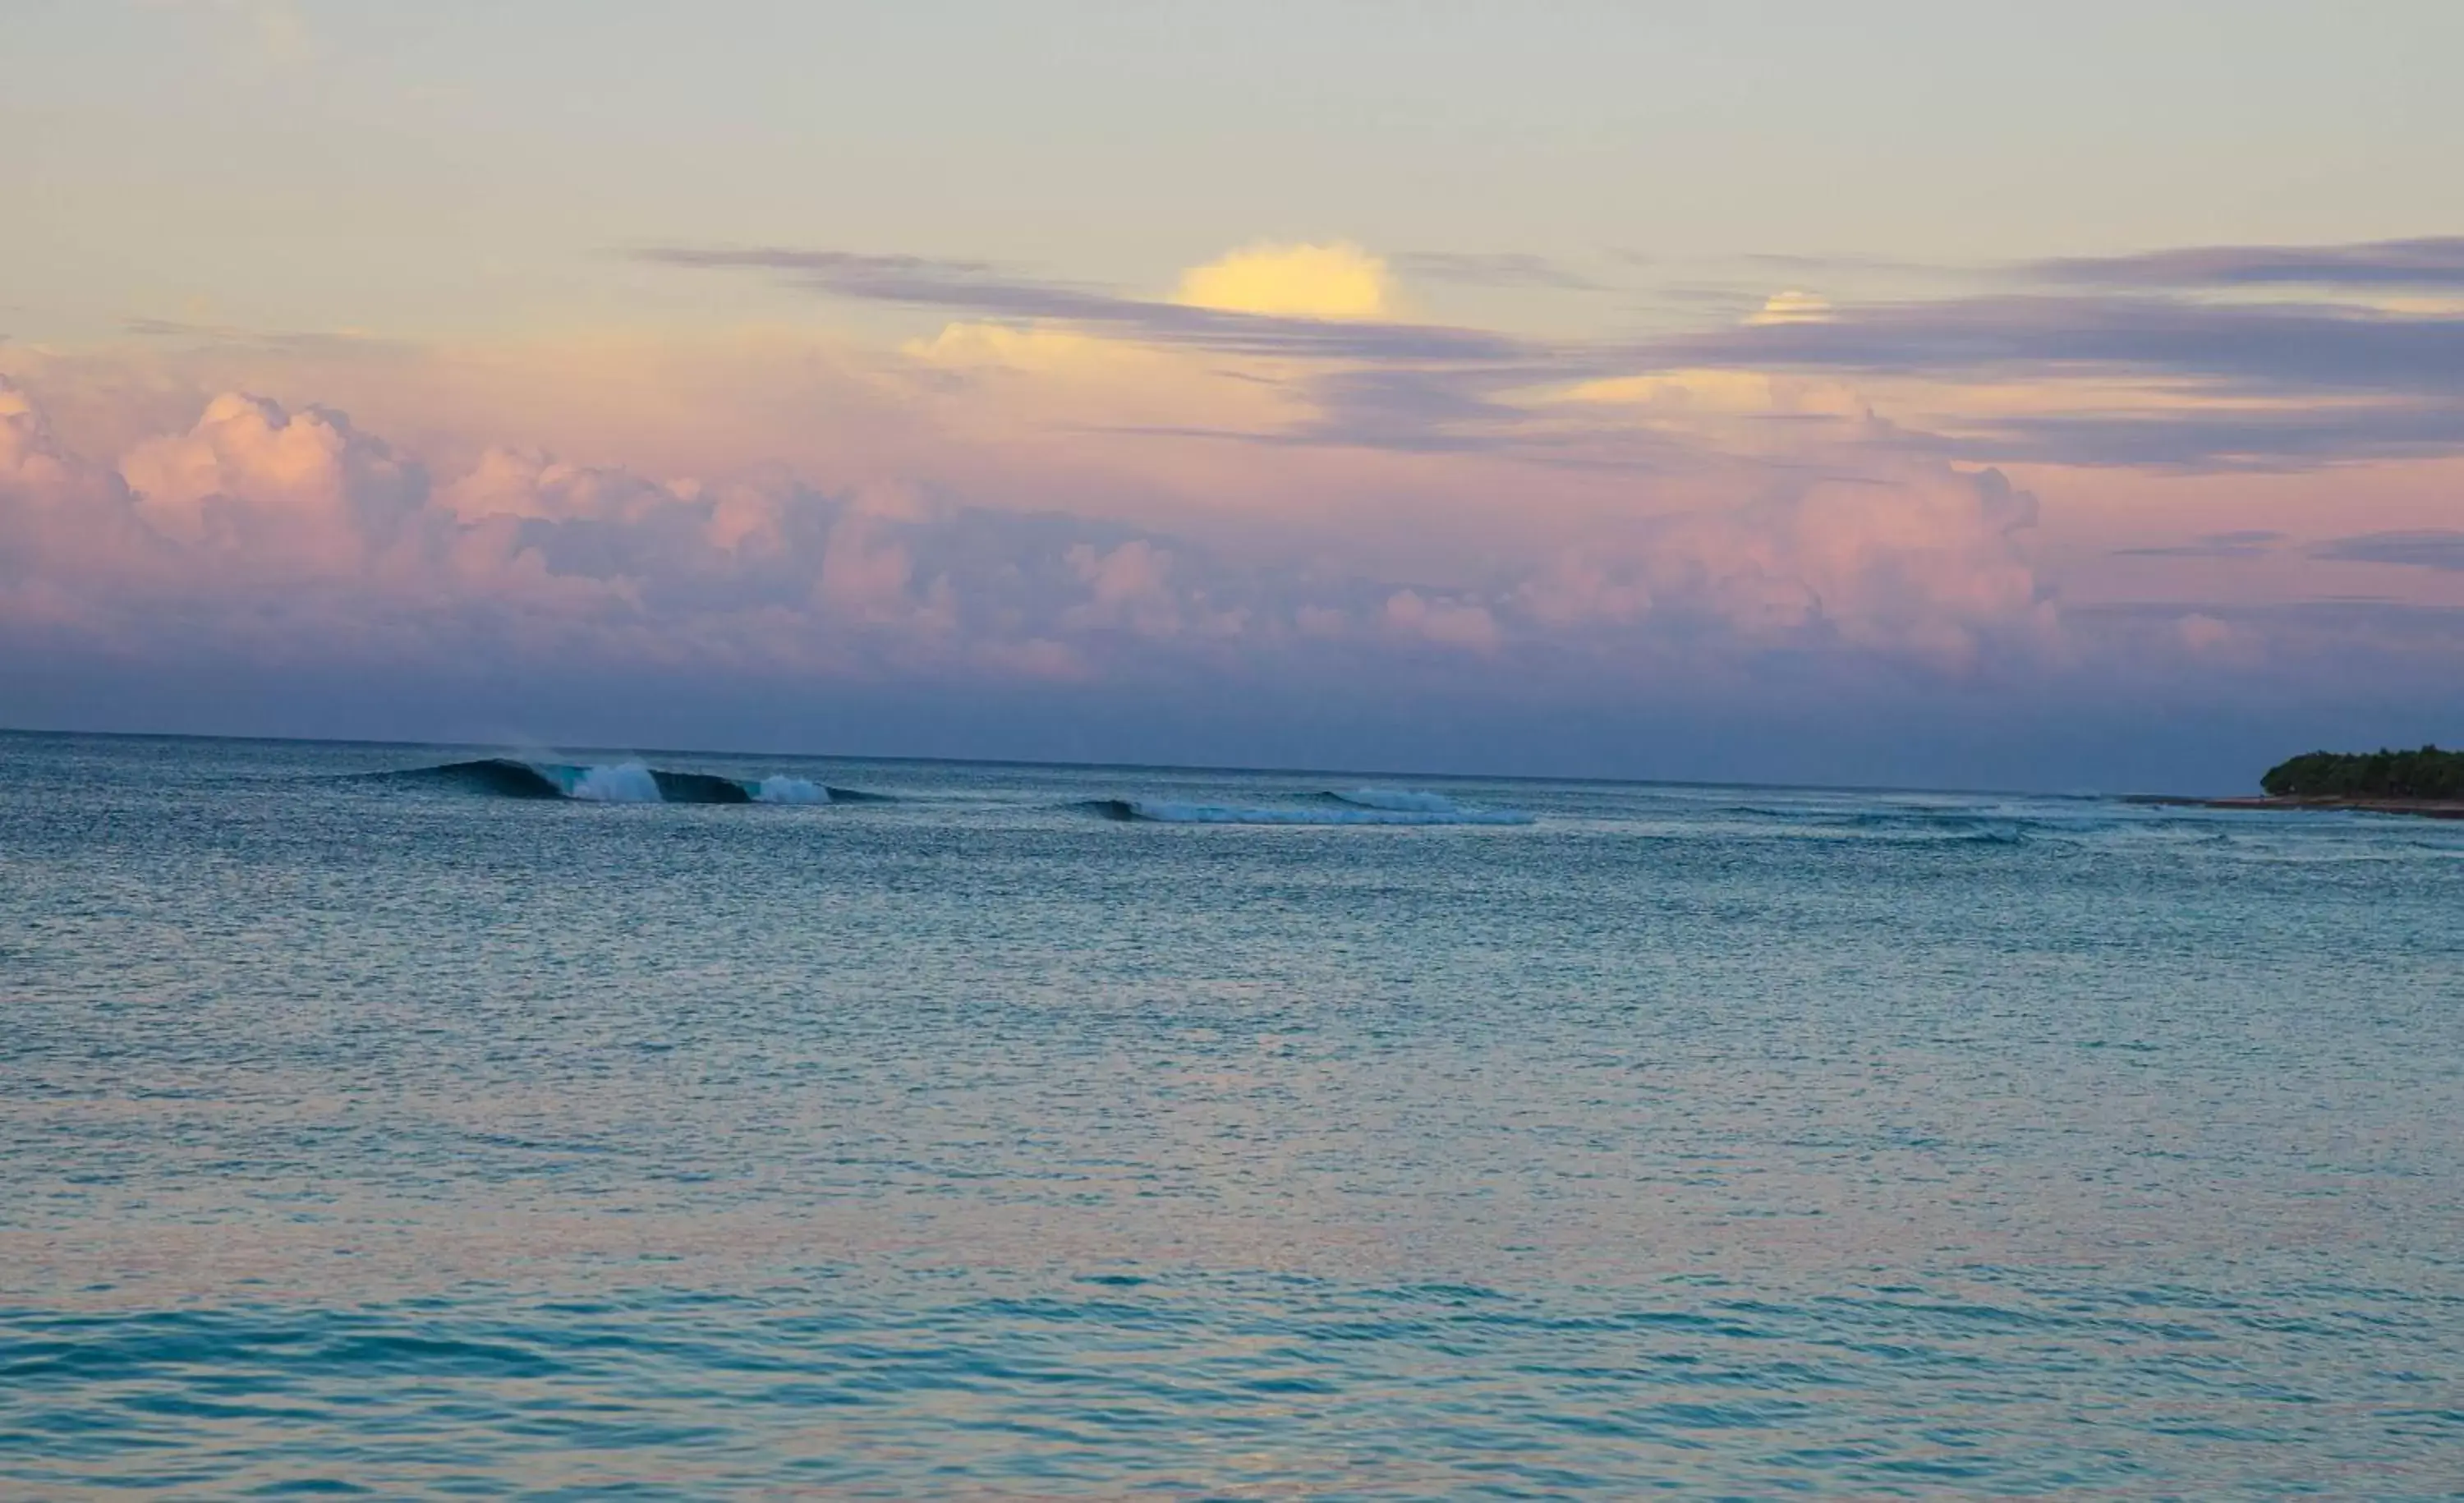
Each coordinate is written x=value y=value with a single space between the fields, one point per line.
x=2425 y=774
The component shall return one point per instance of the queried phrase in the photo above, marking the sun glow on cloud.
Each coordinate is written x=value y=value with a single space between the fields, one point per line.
x=1793 y=307
x=1340 y=280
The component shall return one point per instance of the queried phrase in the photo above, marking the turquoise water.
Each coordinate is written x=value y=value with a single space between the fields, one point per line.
x=1043 y=1132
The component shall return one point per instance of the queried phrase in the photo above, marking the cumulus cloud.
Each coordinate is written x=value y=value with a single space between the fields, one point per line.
x=1933 y=564
x=868 y=574
x=260 y=517
x=1452 y=623
x=276 y=488
x=64 y=522
x=32 y=462
x=532 y=485
x=1308 y=281
x=1127 y=585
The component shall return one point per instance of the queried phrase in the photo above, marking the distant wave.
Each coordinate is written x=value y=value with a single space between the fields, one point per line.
x=1169 y=811
x=2005 y=823
x=1401 y=801
x=621 y=782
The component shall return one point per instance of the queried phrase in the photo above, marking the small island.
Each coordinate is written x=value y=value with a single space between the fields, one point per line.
x=2428 y=781
x=2425 y=776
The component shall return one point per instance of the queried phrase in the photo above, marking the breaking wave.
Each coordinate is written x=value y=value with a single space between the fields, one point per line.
x=783 y=790
x=621 y=782
x=1401 y=801
x=1342 y=811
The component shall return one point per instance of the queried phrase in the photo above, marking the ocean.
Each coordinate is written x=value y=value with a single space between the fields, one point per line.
x=399 y=1120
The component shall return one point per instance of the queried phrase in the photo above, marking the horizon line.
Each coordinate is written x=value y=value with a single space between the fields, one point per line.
x=639 y=749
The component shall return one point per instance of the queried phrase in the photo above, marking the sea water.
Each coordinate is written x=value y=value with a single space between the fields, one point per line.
x=942 y=1130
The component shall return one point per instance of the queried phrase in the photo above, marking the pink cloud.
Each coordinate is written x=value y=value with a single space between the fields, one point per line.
x=1456 y=623
x=284 y=534
x=275 y=487
x=1927 y=563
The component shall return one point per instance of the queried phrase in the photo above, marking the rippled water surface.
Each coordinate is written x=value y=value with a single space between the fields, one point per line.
x=1037 y=1132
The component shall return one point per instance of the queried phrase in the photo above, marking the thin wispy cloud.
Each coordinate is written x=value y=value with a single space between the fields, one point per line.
x=972 y=288
x=2342 y=383
x=276 y=340
x=2211 y=439
x=2431 y=548
x=2248 y=542
x=2436 y=261
x=2252 y=347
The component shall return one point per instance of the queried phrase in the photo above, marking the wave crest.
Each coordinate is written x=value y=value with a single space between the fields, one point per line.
x=783 y=790
x=1171 y=812
x=622 y=782
x=1401 y=801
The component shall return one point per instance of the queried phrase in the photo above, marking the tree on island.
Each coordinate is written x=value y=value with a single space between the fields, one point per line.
x=2425 y=774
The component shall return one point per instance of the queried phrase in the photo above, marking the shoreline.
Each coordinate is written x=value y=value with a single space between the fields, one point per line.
x=2422 y=809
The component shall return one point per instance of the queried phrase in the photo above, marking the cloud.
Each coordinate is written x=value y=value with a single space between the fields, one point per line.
x=1304 y=282
x=1793 y=307
x=2433 y=548
x=2204 y=633
x=1930 y=565
x=1725 y=393
x=867 y=575
x=533 y=485
x=2185 y=434
x=32 y=462
x=64 y=521
x=1811 y=485
x=260 y=545
x=1449 y=623
x=2207 y=383
x=2200 y=384
x=2340 y=652
x=275 y=487
x=291 y=532
x=2431 y=262
x=338 y=343
x=894 y=278
x=2258 y=348
x=2251 y=543
x=1321 y=281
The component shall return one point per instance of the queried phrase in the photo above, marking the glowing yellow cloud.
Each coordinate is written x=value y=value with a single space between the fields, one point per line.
x=1305 y=281
x=1042 y=349
x=1793 y=307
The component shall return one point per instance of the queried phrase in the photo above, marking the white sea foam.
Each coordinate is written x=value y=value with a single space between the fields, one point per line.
x=622 y=782
x=783 y=790
x=1411 y=801
x=1168 y=813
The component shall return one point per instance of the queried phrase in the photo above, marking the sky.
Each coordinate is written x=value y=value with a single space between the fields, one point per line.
x=1915 y=394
